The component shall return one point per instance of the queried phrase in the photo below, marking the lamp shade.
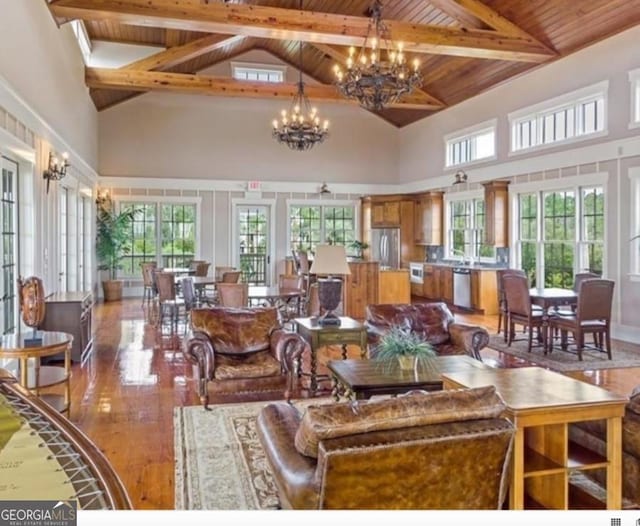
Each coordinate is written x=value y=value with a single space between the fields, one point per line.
x=330 y=260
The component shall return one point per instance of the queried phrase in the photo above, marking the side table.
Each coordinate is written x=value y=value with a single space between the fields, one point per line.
x=348 y=332
x=14 y=346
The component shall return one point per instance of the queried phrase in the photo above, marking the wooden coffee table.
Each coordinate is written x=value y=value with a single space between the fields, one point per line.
x=542 y=404
x=361 y=379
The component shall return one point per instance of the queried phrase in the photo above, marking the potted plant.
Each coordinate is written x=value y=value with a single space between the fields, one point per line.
x=113 y=242
x=404 y=346
x=358 y=247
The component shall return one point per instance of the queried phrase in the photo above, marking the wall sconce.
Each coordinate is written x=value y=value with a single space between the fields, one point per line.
x=57 y=169
x=460 y=177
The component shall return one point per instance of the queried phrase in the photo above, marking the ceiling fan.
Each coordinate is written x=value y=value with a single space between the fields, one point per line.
x=324 y=189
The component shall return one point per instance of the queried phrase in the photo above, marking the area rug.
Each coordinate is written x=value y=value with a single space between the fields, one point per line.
x=563 y=361
x=220 y=464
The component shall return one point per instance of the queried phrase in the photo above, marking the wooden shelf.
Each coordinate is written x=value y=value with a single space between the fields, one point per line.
x=582 y=458
x=536 y=464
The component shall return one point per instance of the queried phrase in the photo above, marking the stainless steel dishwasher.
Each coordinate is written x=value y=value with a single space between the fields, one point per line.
x=462 y=287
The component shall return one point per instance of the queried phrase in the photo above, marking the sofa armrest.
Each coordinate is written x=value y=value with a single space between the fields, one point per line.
x=200 y=352
x=287 y=348
x=471 y=338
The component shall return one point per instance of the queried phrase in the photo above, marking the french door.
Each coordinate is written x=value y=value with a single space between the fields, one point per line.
x=252 y=253
x=8 y=219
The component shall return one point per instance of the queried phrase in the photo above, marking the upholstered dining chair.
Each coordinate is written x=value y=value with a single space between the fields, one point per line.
x=190 y=299
x=503 y=321
x=231 y=276
x=233 y=294
x=520 y=310
x=592 y=316
x=219 y=271
x=201 y=269
x=149 y=291
x=170 y=304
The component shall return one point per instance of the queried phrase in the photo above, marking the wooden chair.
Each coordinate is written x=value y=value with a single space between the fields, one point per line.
x=190 y=299
x=233 y=294
x=592 y=316
x=313 y=301
x=219 y=271
x=149 y=290
x=170 y=304
x=293 y=307
x=231 y=276
x=202 y=269
x=520 y=310
x=503 y=318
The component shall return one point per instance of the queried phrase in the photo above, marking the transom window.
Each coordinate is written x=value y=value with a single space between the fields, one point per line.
x=466 y=230
x=571 y=116
x=311 y=225
x=472 y=144
x=263 y=73
x=560 y=232
x=161 y=232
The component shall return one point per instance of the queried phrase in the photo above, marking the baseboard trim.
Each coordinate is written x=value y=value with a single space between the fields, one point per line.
x=627 y=333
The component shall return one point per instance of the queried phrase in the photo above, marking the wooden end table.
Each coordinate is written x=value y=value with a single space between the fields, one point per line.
x=361 y=379
x=348 y=332
x=542 y=404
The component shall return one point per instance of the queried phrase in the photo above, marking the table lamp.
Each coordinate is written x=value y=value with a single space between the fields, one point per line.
x=329 y=260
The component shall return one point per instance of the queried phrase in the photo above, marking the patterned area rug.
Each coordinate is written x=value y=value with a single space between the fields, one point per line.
x=563 y=361
x=220 y=464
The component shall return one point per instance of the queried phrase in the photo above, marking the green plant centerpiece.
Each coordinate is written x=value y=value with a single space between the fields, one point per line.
x=358 y=247
x=407 y=348
x=113 y=242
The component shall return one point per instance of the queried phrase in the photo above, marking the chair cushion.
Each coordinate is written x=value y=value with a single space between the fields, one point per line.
x=236 y=331
x=343 y=419
x=256 y=365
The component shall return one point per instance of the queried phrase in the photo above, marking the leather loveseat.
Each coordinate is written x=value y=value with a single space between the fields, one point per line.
x=439 y=450
x=592 y=435
x=433 y=321
x=244 y=350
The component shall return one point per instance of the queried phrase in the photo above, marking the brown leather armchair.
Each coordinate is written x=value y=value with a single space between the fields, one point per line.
x=440 y=450
x=246 y=348
x=433 y=321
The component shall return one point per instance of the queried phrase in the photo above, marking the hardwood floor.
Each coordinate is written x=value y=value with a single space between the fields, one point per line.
x=123 y=397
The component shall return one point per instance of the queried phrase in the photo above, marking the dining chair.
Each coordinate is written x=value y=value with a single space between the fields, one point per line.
x=170 y=304
x=592 y=316
x=520 y=310
x=303 y=266
x=503 y=322
x=233 y=294
x=291 y=308
x=231 y=276
x=190 y=299
x=148 y=292
x=201 y=269
x=313 y=301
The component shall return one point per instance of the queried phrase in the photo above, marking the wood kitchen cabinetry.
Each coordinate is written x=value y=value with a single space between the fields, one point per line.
x=484 y=291
x=360 y=288
x=496 y=206
x=386 y=213
x=428 y=219
x=438 y=283
x=71 y=312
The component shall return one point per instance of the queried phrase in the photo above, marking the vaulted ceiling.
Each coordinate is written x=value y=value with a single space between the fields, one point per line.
x=464 y=46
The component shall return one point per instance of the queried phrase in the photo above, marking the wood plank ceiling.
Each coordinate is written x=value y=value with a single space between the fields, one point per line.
x=465 y=46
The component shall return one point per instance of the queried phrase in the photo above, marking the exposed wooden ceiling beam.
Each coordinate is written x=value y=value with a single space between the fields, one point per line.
x=339 y=55
x=456 y=12
x=174 y=56
x=135 y=80
x=292 y=24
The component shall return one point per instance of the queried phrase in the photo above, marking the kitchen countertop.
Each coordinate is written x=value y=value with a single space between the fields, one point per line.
x=457 y=264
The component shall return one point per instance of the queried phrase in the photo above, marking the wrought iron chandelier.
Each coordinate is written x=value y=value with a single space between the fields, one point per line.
x=376 y=82
x=299 y=128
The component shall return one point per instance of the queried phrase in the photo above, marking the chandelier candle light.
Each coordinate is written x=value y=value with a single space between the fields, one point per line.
x=370 y=79
x=300 y=128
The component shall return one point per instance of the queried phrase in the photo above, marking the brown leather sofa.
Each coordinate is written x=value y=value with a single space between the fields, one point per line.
x=433 y=321
x=242 y=349
x=593 y=435
x=440 y=450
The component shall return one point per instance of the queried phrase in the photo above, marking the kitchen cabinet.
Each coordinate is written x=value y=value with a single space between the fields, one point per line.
x=430 y=284
x=438 y=283
x=484 y=291
x=446 y=284
x=360 y=288
x=393 y=286
x=71 y=312
x=496 y=213
x=428 y=219
x=406 y=233
x=386 y=213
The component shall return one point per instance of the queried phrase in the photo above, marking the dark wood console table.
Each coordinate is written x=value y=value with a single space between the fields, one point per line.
x=71 y=312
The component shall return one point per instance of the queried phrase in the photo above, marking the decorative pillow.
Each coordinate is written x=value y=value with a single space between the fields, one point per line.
x=431 y=321
x=336 y=420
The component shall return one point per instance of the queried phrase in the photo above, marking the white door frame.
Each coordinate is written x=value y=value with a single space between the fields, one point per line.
x=271 y=206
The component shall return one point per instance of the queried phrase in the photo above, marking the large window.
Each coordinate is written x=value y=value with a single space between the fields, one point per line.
x=311 y=225
x=572 y=116
x=466 y=219
x=473 y=144
x=560 y=232
x=161 y=232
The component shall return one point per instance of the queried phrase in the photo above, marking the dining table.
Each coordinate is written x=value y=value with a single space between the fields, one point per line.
x=272 y=295
x=180 y=271
x=548 y=299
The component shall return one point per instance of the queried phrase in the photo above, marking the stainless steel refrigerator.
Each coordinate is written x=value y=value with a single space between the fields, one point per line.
x=385 y=247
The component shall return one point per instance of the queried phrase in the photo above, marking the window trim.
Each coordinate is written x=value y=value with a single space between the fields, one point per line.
x=571 y=98
x=575 y=183
x=160 y=200
x=634 y=98
x=634 y=225
x=260 y=67
x=467 y=133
